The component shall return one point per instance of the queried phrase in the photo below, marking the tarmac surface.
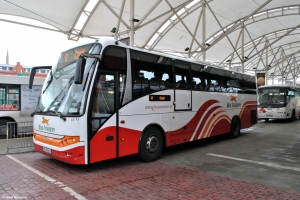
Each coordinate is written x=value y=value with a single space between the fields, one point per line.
x=263 y=163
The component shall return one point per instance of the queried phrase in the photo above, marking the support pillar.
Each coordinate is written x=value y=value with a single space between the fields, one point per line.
x=131 y=34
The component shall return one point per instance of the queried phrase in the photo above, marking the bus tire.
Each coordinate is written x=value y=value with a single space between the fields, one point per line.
x=266 y=119
x=3 y=124
x=235 y=127
x=293 y=116
x=151 y=144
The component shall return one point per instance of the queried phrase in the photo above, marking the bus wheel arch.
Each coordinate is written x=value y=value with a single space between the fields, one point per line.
x=3 y=122
x=235 y=127
x=151 y=143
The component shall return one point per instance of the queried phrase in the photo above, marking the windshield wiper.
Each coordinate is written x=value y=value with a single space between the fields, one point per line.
x=39 y=108
x=59 y=114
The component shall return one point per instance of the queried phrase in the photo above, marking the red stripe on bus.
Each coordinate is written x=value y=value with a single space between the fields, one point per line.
x=204 y=120
x=207 y=129
x=221 y=125
x=188 y=129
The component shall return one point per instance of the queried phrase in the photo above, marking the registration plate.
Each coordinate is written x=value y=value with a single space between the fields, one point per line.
x=47 y=150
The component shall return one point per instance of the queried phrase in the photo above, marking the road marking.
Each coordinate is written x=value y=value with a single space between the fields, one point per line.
x=257 y=162
x=48 y=178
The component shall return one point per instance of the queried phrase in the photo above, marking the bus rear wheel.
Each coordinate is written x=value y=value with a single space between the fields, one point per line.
x=151 y=145
x=3 y=125
x=235 y=128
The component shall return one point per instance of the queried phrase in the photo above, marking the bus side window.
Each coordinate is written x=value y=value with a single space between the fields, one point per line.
x=13 y=96
x=114 y=58
x=140 y=87
x=155 y=70
x=182 y=76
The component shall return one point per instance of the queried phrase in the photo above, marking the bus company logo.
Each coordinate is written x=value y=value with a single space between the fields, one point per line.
x=233 y=98
x=45 y=121
x=45 y=126
x=234 y=103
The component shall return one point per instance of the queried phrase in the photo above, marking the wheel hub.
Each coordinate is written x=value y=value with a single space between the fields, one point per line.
x=152 y=144
x=2 y=130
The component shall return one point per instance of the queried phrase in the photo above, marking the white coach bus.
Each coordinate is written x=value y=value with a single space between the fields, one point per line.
x=278 y=102
x=17 y=101
x=105 y=100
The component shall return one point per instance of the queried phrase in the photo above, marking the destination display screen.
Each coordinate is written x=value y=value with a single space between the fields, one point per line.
x=159 y=98
x=69 y=57
x=73 y=54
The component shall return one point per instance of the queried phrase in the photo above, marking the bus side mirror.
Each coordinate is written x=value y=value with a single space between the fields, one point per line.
x=79 y=70
x=31 y=77
x=32 y=73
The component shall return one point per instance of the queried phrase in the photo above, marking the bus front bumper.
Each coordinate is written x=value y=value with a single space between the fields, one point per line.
x=71 y=156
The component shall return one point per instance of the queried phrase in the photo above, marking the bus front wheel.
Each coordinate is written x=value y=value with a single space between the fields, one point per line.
x=151 y=144
x=293 y=117
x=235 y=128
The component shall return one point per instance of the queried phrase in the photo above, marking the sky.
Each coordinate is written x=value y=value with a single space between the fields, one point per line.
x=32 y=46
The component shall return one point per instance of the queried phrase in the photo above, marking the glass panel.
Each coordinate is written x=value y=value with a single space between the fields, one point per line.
x=274 y=97
x=2 y=95
x=58 y=90
x=182 y=76
x=13 y=89
x=13 y=99
x=13 y=96
x=104 y=100
x=114 y=58
x=150 y=73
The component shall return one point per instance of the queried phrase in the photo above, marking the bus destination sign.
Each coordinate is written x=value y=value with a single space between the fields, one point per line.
x=73 y=54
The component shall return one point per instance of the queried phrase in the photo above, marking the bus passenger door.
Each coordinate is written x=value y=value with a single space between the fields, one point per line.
x=104 y=118
x=183 y=86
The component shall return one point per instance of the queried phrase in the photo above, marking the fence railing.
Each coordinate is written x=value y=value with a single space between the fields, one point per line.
x=19 y=137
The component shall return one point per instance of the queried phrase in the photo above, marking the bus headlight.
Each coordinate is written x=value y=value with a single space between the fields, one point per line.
x=69 y=140
x=65 y=141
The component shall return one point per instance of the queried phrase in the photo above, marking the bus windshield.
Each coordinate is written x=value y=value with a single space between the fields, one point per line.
x=59 y=93
x=272 y=97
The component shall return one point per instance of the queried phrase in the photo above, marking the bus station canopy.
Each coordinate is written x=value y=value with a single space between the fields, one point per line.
x=249 y=36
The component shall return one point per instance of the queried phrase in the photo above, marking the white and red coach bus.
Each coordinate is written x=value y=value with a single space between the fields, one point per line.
x=278 y=102
x=105 y=100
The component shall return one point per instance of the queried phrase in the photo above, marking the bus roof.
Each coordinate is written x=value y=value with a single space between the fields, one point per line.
x=20 y=80
x=106 y=41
